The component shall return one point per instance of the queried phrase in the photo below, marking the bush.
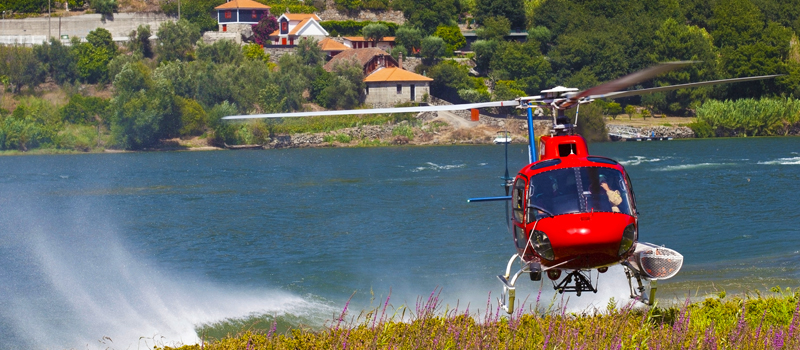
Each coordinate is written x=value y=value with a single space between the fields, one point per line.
x=354 y=28
x=105 y=7
x=452 y=37
x=265 y=26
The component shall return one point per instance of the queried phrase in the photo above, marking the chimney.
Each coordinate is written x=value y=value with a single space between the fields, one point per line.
x=400 y=60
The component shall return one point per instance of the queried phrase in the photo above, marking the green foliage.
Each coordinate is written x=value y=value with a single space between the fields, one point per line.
x=84 y=110
x=93 y=62
x=193 y=117
x=34 y=123
x=509 y=9
x=220 y=52
x=346 y=89
x=76 y=137
x=448 y=79
x=427 y=15
x=58 y=60
x=750 y=117
x=106 y=7
x=20 y=66
x=701 y=129
x=255 y=52
x=484 y=53
x=262 y=30
x=630 y=110
x=494 y=28
x=140 y=41
x=452 y=37
x=24 y=6
x=523 y=63
x=176 y=40
x=201 y=13
x=348 y=5
x=408 y=37
x=405 y=130
x=309 y=52
x=224 y=132
x=354 y=28
x=375 y=32
x=505 y=90
x=432 y=47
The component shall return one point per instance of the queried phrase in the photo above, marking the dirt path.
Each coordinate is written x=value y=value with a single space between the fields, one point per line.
x=456 y=121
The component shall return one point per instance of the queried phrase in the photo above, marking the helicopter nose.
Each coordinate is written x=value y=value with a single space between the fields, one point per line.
x=597 y=234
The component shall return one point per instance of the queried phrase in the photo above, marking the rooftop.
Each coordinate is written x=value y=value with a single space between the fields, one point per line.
x=394 y=74
x=241 y=4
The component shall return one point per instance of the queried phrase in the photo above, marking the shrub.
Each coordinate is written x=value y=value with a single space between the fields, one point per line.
x=266 y=26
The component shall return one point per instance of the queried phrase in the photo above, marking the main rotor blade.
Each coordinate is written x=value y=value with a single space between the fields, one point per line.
x=633 y=78
x=620 y=94
x=511 y=103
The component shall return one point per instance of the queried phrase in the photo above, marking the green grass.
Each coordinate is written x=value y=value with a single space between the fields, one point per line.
x=751 y=321
x=333 y=123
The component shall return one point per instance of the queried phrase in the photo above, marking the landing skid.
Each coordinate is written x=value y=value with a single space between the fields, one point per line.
x=575 y=281
x=645 y=295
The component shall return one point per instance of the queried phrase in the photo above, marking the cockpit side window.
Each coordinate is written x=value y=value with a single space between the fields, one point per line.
x=518 y=199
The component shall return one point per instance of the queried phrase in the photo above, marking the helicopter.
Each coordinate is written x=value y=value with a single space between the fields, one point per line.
x=568 y=212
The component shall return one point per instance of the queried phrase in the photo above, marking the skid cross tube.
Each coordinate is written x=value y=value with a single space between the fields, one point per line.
x=581 y=283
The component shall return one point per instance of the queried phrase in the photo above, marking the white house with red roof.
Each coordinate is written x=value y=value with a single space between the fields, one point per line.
x=235 y=15
x=293 y=26
x=389 y=86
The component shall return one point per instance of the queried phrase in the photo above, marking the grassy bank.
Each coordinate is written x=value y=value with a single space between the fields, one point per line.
x=751 y=321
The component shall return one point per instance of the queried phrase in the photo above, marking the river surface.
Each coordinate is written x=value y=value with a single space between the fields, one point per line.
x=140 y=249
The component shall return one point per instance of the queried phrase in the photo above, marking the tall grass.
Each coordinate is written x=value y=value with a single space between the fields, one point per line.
x=742 y=322
x=333 y=123
x=750 y=117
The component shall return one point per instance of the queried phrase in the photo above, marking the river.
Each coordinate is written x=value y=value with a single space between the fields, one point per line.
x=142 y=249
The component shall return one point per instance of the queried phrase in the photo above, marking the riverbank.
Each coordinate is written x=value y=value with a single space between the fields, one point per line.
x=740 y=322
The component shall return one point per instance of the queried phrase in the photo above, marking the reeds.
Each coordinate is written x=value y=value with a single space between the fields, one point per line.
x=750 y=117
x=742 y=322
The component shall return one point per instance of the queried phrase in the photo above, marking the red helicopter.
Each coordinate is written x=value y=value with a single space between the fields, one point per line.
x=570 y=212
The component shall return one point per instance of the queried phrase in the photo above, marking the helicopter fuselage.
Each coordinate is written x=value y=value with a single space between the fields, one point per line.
x=571 y=210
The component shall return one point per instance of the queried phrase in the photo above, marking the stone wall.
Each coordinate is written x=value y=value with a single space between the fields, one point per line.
x=678 y=132
x=120 y=25
x=275 y=53
x=331 y=14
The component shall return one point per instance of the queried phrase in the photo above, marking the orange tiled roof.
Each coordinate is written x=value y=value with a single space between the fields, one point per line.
x=299 y=26
x=362 y=56
x=329 y=44
x=241 y=4
x=361 y=38
x=394 y=74
x=300 y=16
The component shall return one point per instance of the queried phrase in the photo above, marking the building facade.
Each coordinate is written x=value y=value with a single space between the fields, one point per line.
x=236 y=14
x=387 y=87
x=294 y=26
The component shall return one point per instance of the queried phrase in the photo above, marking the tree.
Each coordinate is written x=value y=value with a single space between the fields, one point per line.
x=176 y=40
x=375 y=32
x=58 y=60
x=523 y=63
x=92 y=62
x=140 y=41
x=84 y=109
x=255 y=52
x=629 y=110
x=513 y=10
x=309 y=52
x=484 y=53
x=101 y=38
x=426 y=15
x=494 y=28
x=409 y=38
x=265 y=26
x=220 y=52
x=432 y=47
x=106 y=7
x=193 y=117
x=21 y=67
x=612 y=108
x=346 y=90
x=197 y=12
x=449 y=78
x=452 y=37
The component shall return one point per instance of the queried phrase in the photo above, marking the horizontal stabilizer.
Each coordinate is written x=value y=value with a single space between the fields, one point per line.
x=489 y=199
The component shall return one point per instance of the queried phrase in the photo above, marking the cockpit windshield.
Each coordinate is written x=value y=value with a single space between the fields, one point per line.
x=579 y=190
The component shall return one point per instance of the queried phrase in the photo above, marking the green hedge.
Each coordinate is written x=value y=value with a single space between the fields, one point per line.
x=750 y=117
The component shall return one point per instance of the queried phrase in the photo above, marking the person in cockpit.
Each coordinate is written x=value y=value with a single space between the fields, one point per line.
x=613 y=196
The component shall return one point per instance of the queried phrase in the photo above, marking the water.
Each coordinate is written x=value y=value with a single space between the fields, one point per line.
x=143 y=249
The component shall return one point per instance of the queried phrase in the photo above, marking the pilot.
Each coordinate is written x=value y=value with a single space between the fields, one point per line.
x=613 y=196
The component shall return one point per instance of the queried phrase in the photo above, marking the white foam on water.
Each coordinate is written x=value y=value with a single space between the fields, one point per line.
x=783 y=161
x=95 y=294
x=639 y=160
x=437 y=167
x=692 y=166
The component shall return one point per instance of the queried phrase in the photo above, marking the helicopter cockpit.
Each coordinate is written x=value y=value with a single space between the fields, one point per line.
x=577 y=190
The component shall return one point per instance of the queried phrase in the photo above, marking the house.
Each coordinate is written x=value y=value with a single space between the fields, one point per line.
x=293 y=26
x=357 y=42
x=331 y=47
x=387 y=87
x=236 y=15
x=371 y=59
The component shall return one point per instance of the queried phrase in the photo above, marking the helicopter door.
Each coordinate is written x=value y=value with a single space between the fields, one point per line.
x=518 y=209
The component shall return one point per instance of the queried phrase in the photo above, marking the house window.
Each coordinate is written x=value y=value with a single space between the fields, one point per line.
x=291 y=41
x=367 y=90
x=254 y=14
x=224 y=27
x=227 y=14
x=284 y=27
x=413 y=93
x=399 y=89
